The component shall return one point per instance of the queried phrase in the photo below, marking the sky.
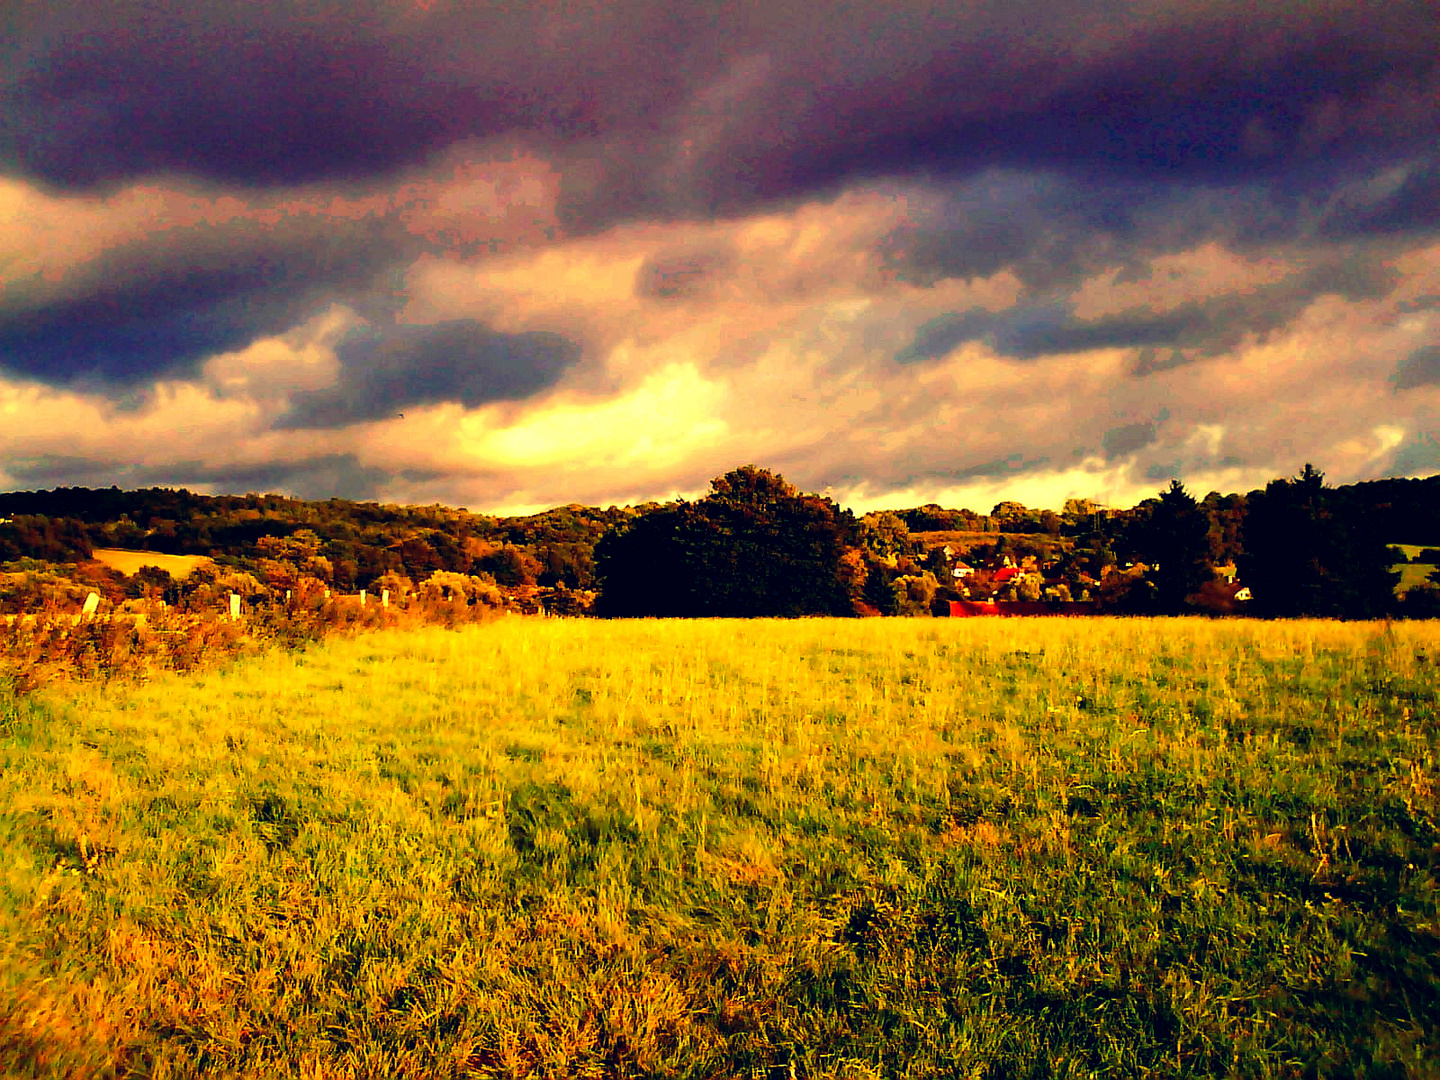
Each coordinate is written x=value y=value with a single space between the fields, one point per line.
x=514 y=256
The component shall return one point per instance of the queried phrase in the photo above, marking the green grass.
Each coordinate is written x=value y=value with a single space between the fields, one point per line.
x=1412 y=574
x=1001 y=848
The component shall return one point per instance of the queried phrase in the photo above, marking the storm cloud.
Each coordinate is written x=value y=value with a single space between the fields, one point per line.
x=146 y=309
x=1166 y=338
x=697 y=109
x=1420 y=368
x=383 y=370
x=605 y=252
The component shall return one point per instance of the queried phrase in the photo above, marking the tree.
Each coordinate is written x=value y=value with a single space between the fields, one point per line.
x=1012 y=516
x=754 y=547
x=1302 y=556
x=1175 y=541
x=885 y=534
x=152 y=583
x=511 y=566
x=1227 y=519
x=914 y=593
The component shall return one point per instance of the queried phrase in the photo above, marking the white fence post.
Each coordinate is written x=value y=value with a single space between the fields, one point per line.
x=362 y=597
x=92 y=604
x=384 y=597
x=234 y=606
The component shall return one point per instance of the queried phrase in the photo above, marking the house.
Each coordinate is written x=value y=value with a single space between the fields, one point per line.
x=962 y=570
x=1007 y=575
x=969 y=608
x=1221 y=598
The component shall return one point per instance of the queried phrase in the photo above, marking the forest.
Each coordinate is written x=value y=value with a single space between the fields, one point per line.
x=755 y=545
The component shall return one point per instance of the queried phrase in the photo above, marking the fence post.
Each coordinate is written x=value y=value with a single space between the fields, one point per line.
x=385 y=598
x=234 y=606
x=92 y=604
x=362 y=597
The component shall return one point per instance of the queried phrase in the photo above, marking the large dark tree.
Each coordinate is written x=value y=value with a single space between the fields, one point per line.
x=1175 y=540
x=1304 y=556
x=754 y=547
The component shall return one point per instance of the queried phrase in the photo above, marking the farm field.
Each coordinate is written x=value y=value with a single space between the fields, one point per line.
x=129 y=562
x=812 y=848
x=1412 y=573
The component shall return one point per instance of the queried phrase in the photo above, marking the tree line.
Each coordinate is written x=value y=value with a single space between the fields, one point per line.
x=756 y=545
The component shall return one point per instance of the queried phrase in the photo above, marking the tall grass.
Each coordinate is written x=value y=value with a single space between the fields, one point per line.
x=53 y=645
x=813 y=848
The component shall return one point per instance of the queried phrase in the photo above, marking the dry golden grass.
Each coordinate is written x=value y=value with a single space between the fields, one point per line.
x=816 y=848
x=127 y=562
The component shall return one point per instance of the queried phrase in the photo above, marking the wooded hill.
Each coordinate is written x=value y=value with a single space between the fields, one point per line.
x=895 y=562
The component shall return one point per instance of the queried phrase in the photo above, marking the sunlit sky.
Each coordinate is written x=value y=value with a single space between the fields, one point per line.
x=513 y=256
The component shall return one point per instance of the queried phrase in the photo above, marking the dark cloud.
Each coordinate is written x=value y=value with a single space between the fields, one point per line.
x=1052 y=231
x=258 y=104
x=1066 y=136
x=159 y=305
x=1174 y=100
x=1010 y=465
x=384 y=369
x=1420 y=368
x=1028 y=332
x=1411 y=206
x=662 y=108
x=290 y=93
x=1184 y=334
x=338 y=476
x=326 y=476
x=1048 y=229
x=1127 y=439
x=1419 y=455
x=1191 y=96
x=942 y=334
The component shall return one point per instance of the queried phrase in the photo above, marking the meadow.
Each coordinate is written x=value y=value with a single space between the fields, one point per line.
x=1413 y=573
x=813 y=848
x=129 y=562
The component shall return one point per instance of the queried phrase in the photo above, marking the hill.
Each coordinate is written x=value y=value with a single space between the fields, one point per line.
x=278 y=541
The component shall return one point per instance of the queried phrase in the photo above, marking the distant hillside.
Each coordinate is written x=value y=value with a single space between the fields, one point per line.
x=357 y=542
x=351 y=545
x=1403 y=511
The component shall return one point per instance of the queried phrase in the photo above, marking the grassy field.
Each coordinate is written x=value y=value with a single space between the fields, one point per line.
x=989 y=848
x=1412 y=574
x=128 y=562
